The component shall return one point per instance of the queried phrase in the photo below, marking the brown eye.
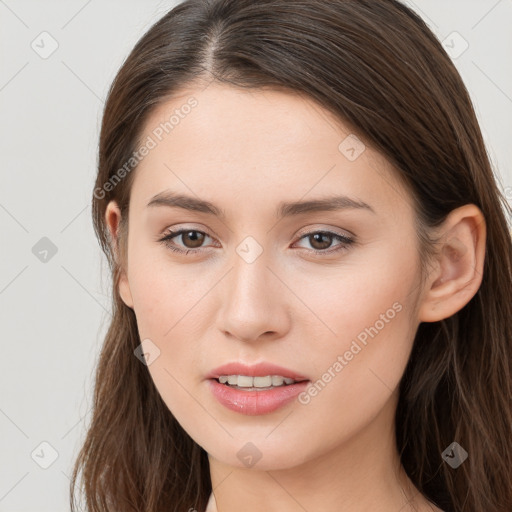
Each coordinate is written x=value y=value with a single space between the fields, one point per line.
x=196 y=239
x=321 y=240
x=191 y=240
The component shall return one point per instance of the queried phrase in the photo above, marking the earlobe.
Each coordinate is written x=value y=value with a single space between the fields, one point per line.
x=459 y=265
x=112 y=220
x=124 y=290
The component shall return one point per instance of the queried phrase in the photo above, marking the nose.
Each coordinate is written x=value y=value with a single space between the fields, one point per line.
x=254 y=302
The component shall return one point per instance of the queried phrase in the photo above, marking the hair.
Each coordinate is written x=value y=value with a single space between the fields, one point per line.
x=378 y=68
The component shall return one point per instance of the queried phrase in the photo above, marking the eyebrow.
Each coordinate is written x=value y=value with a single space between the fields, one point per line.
x=284 y=209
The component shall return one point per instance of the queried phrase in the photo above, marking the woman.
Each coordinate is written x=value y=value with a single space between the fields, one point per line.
x=312 y=271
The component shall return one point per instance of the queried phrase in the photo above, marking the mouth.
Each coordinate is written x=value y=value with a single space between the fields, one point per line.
x=257 y=389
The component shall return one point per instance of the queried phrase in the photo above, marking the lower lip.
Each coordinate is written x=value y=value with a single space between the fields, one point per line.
x=253 y=403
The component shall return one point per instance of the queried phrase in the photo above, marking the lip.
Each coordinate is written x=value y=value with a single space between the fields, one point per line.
x=254 y=403
x=257 y=370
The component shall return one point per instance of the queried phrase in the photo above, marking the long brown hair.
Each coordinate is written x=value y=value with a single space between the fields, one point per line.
x=376 y=66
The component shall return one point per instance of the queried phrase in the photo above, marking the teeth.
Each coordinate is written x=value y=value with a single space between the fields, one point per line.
x=245 y=381
x=263 y=382
x=277 y=380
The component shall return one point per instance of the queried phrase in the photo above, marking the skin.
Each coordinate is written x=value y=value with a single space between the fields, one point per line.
x=246 y=151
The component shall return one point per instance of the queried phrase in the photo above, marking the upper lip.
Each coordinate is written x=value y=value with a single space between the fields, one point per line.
x=256 y=370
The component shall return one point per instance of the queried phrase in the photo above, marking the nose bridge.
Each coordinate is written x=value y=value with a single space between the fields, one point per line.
x=249 y=280
x=250 y=297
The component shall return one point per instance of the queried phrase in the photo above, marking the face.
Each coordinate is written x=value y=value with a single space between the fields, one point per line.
x=329 y=293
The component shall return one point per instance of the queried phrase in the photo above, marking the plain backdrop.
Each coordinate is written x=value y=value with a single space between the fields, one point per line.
x=57 y=62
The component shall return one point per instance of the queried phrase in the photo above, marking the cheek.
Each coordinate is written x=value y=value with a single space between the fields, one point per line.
x=171 y=302
x=361 y=300
x=359 y=373
x=161 y=289
x=370 y=311
x=167 y=305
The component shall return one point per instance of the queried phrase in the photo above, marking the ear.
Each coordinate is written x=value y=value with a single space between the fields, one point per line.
x=112 y=219
x=458 y=269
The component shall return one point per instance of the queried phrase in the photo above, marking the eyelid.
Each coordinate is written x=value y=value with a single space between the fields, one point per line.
x=337 y=231
x=304 y=231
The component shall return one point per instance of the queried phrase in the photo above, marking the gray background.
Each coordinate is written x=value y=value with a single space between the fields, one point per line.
x=55 y=307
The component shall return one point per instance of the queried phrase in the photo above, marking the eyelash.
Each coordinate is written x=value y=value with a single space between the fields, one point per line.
x=345 y=241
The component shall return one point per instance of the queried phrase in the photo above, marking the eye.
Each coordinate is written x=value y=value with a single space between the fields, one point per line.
x=322 y=240
x=193 y=239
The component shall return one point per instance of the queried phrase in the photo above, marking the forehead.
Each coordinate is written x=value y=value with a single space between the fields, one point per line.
x=263 y=145
x=228 y=116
